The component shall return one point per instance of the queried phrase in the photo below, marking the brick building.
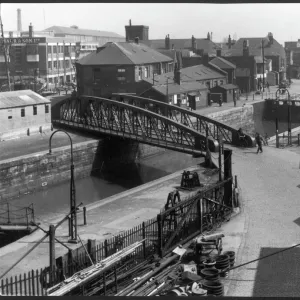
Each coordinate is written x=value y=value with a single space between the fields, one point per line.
x=226 y=66
x=23 y=113
x=31 y=56
x=293 y=58
x=119 y=68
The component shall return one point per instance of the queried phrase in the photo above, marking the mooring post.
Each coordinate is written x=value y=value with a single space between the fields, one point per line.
x=84 y=216
x=52 y=253
x=277 y=137
x=8 y=216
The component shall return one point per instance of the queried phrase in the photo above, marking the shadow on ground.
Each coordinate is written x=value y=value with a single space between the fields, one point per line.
x=278 y=275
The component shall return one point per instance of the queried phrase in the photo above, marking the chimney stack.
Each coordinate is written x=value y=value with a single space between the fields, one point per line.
x=177 y=75
x=219 y=52
x=205 y=59
x=211 y=36
x=194 y=44
x=136 y=40
x=208 y=36
x=167 y=42
x=19 y=21
x=245 y=48
x=30 y=31
x=229 y=42
x=270 y=37
x=130 y=22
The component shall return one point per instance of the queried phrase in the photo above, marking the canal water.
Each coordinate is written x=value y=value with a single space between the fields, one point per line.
x=53 y=201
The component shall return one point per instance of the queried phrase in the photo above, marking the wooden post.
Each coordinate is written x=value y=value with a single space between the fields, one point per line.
x=84 y=216
x=159 y=223
x=144 y=237
x=105 y=249
x=277 y=137
x=52 y=253
x=235 y=181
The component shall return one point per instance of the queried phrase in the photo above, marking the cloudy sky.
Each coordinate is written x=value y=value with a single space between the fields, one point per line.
x=177 y=19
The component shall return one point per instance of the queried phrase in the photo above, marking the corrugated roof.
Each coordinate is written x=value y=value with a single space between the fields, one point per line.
x=86 y=32
x=274 y=49
x=184 y=87
x=124 y=53
x=222 y=63
x=21 y=98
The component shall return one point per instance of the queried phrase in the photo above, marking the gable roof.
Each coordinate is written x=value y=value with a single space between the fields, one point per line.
x=184 y=87
x=21 y=98
x=189 y=74
x=87 y=32
x=222 y=63
x=255 y=49
x=123 y=53
x=207 y=45
x=228 y=86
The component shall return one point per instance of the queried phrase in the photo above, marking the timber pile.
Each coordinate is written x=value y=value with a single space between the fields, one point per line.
x=190 y=271
x=84 y=276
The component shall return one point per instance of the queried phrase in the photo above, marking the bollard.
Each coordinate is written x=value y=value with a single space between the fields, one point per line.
x=84 y=216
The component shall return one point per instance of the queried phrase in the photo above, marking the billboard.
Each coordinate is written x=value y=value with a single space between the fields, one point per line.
x=23 y=40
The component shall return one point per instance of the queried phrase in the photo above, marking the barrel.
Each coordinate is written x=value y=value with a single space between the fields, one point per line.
x=222 y=263
x=231 y=255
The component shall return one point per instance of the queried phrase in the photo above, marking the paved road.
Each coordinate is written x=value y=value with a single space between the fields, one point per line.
x=269 y=222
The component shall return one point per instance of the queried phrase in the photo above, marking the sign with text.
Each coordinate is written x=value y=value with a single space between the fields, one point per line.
x=23 y=40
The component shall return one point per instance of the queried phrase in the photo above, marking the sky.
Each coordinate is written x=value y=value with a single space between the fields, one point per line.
x=179 y=20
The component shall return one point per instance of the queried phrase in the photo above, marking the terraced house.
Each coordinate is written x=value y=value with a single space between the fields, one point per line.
x=119 y=68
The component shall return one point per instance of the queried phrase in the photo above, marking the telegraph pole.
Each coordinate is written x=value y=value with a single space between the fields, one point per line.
x=5 y=53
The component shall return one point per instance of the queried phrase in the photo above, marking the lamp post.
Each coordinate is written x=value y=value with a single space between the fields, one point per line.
x=73 y=215
x=263 y=57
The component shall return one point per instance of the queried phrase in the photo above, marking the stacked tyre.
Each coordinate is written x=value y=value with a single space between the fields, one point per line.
x=214 y=288
x=231 y=255
x=210 y=274
x=222 y=263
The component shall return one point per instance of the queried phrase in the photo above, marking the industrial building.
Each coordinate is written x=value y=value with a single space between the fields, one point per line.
x=23 y=113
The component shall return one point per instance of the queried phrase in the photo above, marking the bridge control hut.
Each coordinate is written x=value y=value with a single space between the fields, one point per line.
x=23 y=113
x=228 y=91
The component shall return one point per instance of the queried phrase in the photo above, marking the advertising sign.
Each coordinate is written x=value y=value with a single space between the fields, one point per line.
x=23 y=40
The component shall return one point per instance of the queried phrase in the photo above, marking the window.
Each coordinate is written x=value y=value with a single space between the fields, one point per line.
x=122 y=79
x=34 y=110
x=54 y=49
x=97 y=75
x=146 y=72
x=215 y=82
x=22 y=112
x=67 y=63
x=9 y=113
x=140 y=73
x=49 y=65
x=221 y=82
x=49 y=49
x=121 y=70
x=55 y=64
x=46 y=109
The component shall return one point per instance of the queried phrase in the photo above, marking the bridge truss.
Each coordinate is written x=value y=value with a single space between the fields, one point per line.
x=117 y=118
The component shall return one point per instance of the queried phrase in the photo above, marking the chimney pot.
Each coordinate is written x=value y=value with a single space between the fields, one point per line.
x=136 y=40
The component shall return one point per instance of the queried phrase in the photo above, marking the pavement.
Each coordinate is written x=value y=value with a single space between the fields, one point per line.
x=105 y=219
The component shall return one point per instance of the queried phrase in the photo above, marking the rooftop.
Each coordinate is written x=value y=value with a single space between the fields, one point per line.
x=21 y=98
x=222 y=63
x=228 y=86
x=189 y=74
x=207 y=45
x=85 y=32
x=255 y=48
x=124 y=53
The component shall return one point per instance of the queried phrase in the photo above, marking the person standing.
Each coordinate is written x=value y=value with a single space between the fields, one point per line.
x=268 y=86
x=258 y=139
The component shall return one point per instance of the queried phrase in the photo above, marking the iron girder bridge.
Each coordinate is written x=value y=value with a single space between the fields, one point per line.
x=117 y=118
x=196 y=121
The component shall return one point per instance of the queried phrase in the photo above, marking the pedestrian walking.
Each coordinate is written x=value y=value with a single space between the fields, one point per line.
x=266 y=140
x=268 y=86
x=258 y=139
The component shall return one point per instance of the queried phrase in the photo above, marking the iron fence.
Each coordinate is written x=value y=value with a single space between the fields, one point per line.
x=15 y=215
x=170 y=228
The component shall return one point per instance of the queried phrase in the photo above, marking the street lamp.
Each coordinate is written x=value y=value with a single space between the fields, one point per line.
x=73 y=219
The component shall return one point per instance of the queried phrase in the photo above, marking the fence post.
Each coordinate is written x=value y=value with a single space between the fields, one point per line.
x=235 y=181
x=144 y=237
x=8 y=216
x=52 y=253
x=84 y=216
x=105 y=249
x=159 y=235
